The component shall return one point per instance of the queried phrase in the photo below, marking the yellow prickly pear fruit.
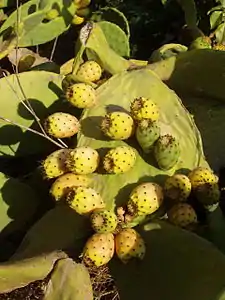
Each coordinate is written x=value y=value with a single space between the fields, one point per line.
x=63 y=184
x=77 y=20
x=200 y=176
x=177 y=187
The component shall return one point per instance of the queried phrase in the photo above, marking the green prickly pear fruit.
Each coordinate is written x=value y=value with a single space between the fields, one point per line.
x=84 y=200
x=144 y=108
x=145 y=199
x=208 y=193
x=147 y=133
x=177 y=187
x=119 y=160
x=55 y=164
x=89 y=71
x=64 y=183
x=83 y=160
x=103 y=221
x=99 y=249
x=129 y=244
x=182 y=215
x=61 y=125
x=167 y=152
x=81 y=95
x=118 y=125
x=202 y=42
x=200 y=176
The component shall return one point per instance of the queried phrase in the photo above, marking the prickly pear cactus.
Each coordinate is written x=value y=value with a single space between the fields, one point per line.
x=41 y=32
x=174 y=119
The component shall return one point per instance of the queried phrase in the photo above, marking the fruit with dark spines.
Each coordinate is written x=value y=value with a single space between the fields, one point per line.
x=81 y=95
x=83 y=160
x=118 y=125
x=147 y=133
x=177 y=187
x=182 y=215
x=84 y=200
x=99 y=249
x=145 y=199
x=119 y=160
x=89 y=71
x=129 y=245
x=103 y=221
x=55 y=164
x=144 y=108
x=64 y=183
x=201 y=175
x=61 y=125
x=167 y=152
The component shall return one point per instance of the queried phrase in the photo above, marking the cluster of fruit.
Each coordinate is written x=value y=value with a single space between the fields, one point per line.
x=71 y=168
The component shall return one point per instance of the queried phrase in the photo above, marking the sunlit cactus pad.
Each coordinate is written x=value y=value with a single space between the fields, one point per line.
x=116 y=95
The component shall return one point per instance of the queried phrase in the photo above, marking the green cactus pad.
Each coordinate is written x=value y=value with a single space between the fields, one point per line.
x=36 y=31
x=19 y=273
x=116 y=38
x=113 y=15
x=69 y=281
x=18 y=204
x=178 y=259
x=43 y=90
x=167 y=51
x=123 y=88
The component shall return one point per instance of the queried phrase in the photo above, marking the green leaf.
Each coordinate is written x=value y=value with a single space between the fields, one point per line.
x=69 y=281
x=60 y=228
x=43 y=90
x=219 y=32
x=16 y=274
x=18 y=203
x=41 y=32
x=167 y=51
x=215 y=19
x=178 y=265
x=117 y=94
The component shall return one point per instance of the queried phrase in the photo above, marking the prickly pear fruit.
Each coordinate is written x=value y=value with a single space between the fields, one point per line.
x=220 y=47
x=167 y=152
x=199 y=176
x=182 y=215
x=61 y=125
x=84 y=200
x=202 y=42
x=81 y=95
x=103 y=221
x=55 y=164
x=82 y=3
x=99 y=249
x=77 y=20
x=89 y=71
x=144 y=108
x=129 y=244
x=83 y=160
x=208 y=193
x=147 y=133
x=177 y=187
x=64 y=183
x=118 y=125
x=145 y=199
x=119 y=160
